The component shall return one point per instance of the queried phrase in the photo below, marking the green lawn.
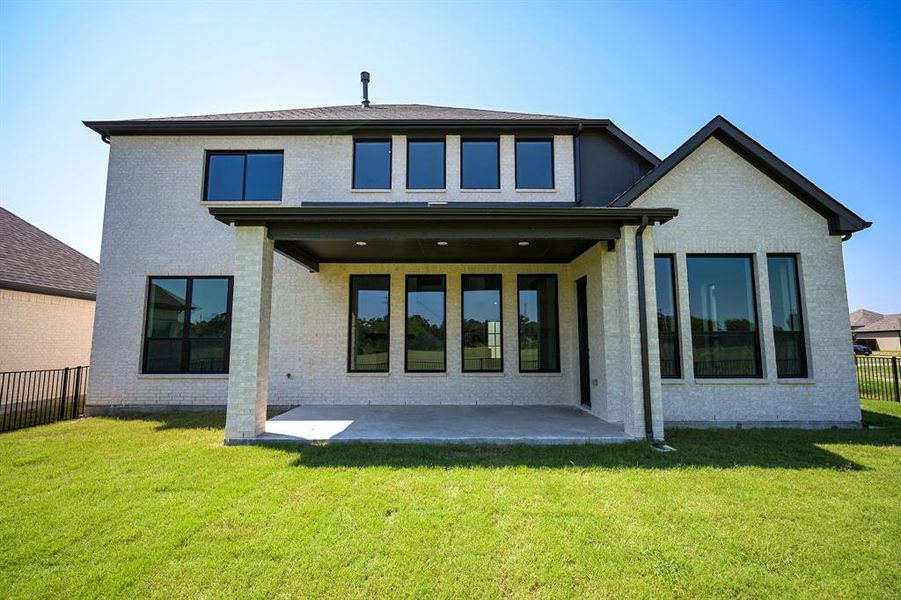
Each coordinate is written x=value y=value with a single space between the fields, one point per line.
x=157 y=507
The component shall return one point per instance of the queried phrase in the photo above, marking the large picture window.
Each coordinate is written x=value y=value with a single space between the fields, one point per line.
x=482 y=337
x=723 y=316
x=788 y=327
x=425 y=340
x=425 y=164
x=667 y=316
x=188 y=325
x=539 y=341
x=480 y=165
x=372 y=165
x=369 y=323
x=244 y=176
x=534 y=164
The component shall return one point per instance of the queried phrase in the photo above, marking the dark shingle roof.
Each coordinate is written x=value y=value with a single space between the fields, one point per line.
x=32 y=260
x=886 y=323
x=375 y=112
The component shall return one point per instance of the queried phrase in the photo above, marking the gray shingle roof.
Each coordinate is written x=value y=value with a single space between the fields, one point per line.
x=33 y=260
x=375 y=112
x=886 y=323
x=862 y=316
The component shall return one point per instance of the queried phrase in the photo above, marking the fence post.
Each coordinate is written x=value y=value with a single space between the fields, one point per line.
x=75 y=392
x=895 y=378
x=62 y=394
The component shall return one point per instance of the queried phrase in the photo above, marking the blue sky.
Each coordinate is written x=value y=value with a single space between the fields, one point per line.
x=819 y=84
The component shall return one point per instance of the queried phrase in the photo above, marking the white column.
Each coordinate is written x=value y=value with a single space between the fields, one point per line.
x=653 y=341
x=627 y=275
x=248 y=377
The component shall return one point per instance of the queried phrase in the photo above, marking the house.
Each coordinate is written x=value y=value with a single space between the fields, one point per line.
x=47 y=293
x=875 y=330
x=413 y=255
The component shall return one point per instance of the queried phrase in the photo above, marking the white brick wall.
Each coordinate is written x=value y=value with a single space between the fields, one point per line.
x=155 y=224
x=727 y=206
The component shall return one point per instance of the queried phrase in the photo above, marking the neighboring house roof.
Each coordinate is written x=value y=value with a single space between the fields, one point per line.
x=34 y=261
x=862 y=317
x=348 y=118
x=841 y=219
x=886 y=323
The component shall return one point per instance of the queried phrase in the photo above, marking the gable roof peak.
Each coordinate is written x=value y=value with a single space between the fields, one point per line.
x=842 y=221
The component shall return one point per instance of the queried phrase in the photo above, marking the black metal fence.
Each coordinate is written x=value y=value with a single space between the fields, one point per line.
x=878 y=377
x=30 y=398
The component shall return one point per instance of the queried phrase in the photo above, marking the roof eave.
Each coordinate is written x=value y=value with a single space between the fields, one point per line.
x=245 y=214
x=237 y=127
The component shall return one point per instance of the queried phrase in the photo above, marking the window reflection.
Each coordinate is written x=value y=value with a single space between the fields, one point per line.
x=538 y=333
x=425 y=325
x=369 y=323
x=482 y=323
x=723 y=316
x=788 y=329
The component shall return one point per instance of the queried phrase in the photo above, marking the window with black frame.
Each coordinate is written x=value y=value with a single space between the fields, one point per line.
x=723 y=316
x=480 y=164
x=534 y=164
x=425 y=336
x=667 y=316
x=369 y=323
x=188 y=325
x=482 y=335
x=539 y=341
x=372 y=165
x=425 y=165
x=788 y=326
x=250 y=176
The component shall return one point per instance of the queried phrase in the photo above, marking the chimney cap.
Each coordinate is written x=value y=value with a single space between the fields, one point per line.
x=364 y=79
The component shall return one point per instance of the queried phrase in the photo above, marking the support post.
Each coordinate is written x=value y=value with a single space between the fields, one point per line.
x=641 y=352
x=248 y=378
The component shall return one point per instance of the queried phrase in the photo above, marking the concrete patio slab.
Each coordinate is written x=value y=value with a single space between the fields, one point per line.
x=442 y=425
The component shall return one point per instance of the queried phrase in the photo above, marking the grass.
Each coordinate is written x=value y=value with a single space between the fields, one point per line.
x=155 y=506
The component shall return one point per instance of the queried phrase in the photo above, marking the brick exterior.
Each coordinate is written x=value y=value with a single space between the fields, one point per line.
x=727 y=206
x=155 y=224
x=38 y=331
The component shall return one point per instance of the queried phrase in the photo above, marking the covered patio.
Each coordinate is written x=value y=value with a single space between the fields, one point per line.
x=442 y=424
x=376 y=233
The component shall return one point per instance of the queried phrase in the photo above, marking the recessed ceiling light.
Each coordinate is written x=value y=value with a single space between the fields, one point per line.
x=441 y=243
x=360 y=243
x=522 y=243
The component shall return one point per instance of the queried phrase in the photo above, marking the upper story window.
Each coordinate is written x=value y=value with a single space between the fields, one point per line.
x=372 y=165
x=534 y=164
x=480 y=165
x=252 y=175
x=425 y=164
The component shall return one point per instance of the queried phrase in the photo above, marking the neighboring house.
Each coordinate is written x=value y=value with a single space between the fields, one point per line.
x=411 y=254
x=875 y=330
x=47 y=292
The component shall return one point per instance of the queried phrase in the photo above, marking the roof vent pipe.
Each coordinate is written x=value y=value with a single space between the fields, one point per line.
x=364 y=78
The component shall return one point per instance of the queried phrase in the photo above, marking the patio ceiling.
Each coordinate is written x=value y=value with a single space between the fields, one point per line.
x=438 y=234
